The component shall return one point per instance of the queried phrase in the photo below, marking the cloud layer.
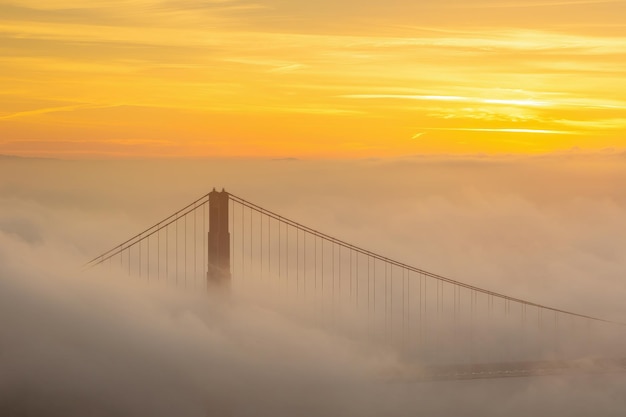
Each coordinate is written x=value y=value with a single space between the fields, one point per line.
x=547 y=229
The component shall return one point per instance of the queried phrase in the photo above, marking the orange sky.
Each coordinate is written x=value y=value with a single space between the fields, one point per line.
x=294 y=78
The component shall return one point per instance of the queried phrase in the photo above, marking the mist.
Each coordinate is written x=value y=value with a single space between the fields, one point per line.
x=547 y=229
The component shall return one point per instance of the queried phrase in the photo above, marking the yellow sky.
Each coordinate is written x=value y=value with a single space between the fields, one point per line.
x=295 y=78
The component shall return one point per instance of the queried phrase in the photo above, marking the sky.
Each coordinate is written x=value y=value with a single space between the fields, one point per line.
x=323 y=79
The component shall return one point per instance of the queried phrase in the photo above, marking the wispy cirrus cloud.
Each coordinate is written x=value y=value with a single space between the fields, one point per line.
x=516 y=102
x=595 y=125
x=45 y=110
x=456 y=99
x=539 y=4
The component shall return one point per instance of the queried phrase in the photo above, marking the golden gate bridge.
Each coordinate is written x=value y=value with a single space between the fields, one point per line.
x=441 y=327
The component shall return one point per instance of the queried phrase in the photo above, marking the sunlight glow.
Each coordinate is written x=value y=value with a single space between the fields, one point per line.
x=538 y=131
x=522 y=103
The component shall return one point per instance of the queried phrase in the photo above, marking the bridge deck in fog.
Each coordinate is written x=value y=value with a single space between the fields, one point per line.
x=509 y=370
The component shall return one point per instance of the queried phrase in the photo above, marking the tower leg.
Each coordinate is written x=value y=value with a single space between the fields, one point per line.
x=218 y=270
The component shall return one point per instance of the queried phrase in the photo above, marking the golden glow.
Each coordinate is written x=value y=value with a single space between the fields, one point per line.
x=523 y=103
x=536 y=131
x=330 y=79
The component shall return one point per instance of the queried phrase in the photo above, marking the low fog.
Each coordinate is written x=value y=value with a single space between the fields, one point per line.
x=547 y=229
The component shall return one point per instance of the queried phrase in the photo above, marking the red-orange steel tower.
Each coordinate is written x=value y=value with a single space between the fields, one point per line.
x=218 y=272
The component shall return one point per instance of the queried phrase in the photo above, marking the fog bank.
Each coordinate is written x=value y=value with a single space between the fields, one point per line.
x=546 y=229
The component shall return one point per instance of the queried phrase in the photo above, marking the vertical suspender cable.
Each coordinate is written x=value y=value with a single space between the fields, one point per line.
x=374 y=287
x=251 y=246
x=425 y=335
x=322 y=266
x=350 y=274
x=195 y=249
x=332 y=293
x=420 y=307
x=269 y=248
x=176 y=241
x=385 y=303
x=185 y=250
x=315 y=263
x=232 y=234
x=148 y=260
x=390 y=302
x=408 y=307
x=356 y=284
x=243 y=248
x=280 y=249
x=261 y=243
x=339 y=269
x=205 y=238
x=369 y=310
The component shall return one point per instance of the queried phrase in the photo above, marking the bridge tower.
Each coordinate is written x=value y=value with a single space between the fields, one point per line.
x=218 y=272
